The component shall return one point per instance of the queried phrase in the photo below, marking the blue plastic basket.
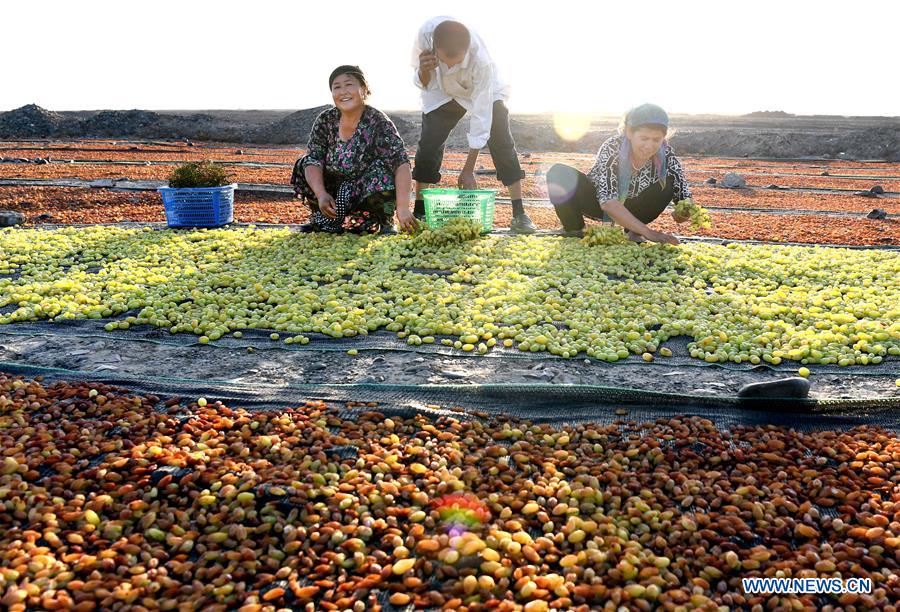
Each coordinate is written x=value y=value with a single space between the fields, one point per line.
x=199 y=207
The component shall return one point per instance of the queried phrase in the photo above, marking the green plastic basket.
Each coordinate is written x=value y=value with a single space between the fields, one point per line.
x=442 y=205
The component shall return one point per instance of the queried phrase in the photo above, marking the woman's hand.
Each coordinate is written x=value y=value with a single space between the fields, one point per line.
x=327 y=205
x=407 y=221
x=403 y=182
x=662 y=237
x=623 y=217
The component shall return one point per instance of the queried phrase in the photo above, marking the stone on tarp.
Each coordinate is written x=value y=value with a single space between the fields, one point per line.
x=794 y=387
x=877 y=213
x=9 y=218
x=733 y=181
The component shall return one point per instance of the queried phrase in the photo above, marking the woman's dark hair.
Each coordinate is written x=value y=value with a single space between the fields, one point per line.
x=353 y=71
x=452 y=38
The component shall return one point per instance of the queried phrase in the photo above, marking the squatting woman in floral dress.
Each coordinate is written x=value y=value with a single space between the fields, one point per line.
x=356 y=172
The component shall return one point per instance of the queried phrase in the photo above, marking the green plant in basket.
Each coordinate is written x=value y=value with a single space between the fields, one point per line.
x=194 y=175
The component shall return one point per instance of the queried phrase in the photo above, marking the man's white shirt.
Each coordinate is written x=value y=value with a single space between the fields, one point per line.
x=474 y=83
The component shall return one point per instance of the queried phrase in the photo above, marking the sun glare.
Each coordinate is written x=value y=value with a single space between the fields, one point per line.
x=571 y=126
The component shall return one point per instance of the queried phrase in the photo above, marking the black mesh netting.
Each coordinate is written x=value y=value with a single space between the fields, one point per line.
x=559 y=405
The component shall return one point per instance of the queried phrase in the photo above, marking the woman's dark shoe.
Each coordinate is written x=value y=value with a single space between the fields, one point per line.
x=367 y=226
x=388 y=229
x=308 y=228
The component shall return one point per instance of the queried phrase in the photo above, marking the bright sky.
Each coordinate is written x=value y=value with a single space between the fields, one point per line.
x=828 y=57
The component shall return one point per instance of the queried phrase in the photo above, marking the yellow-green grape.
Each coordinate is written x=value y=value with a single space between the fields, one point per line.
x=455 y=231
x=201 y=402
x=604 y=235
x=804 y=372
x=698 y=215
x=745 y=304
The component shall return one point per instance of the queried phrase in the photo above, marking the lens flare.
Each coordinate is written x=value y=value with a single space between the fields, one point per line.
x=539 y=185
x=571 y=126
x=461 y=513
x=560 y=186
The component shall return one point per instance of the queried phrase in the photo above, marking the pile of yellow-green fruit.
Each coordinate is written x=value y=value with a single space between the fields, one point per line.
x=600 y=235
x=455 y=231
x=698 y=215
x=739 y=303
